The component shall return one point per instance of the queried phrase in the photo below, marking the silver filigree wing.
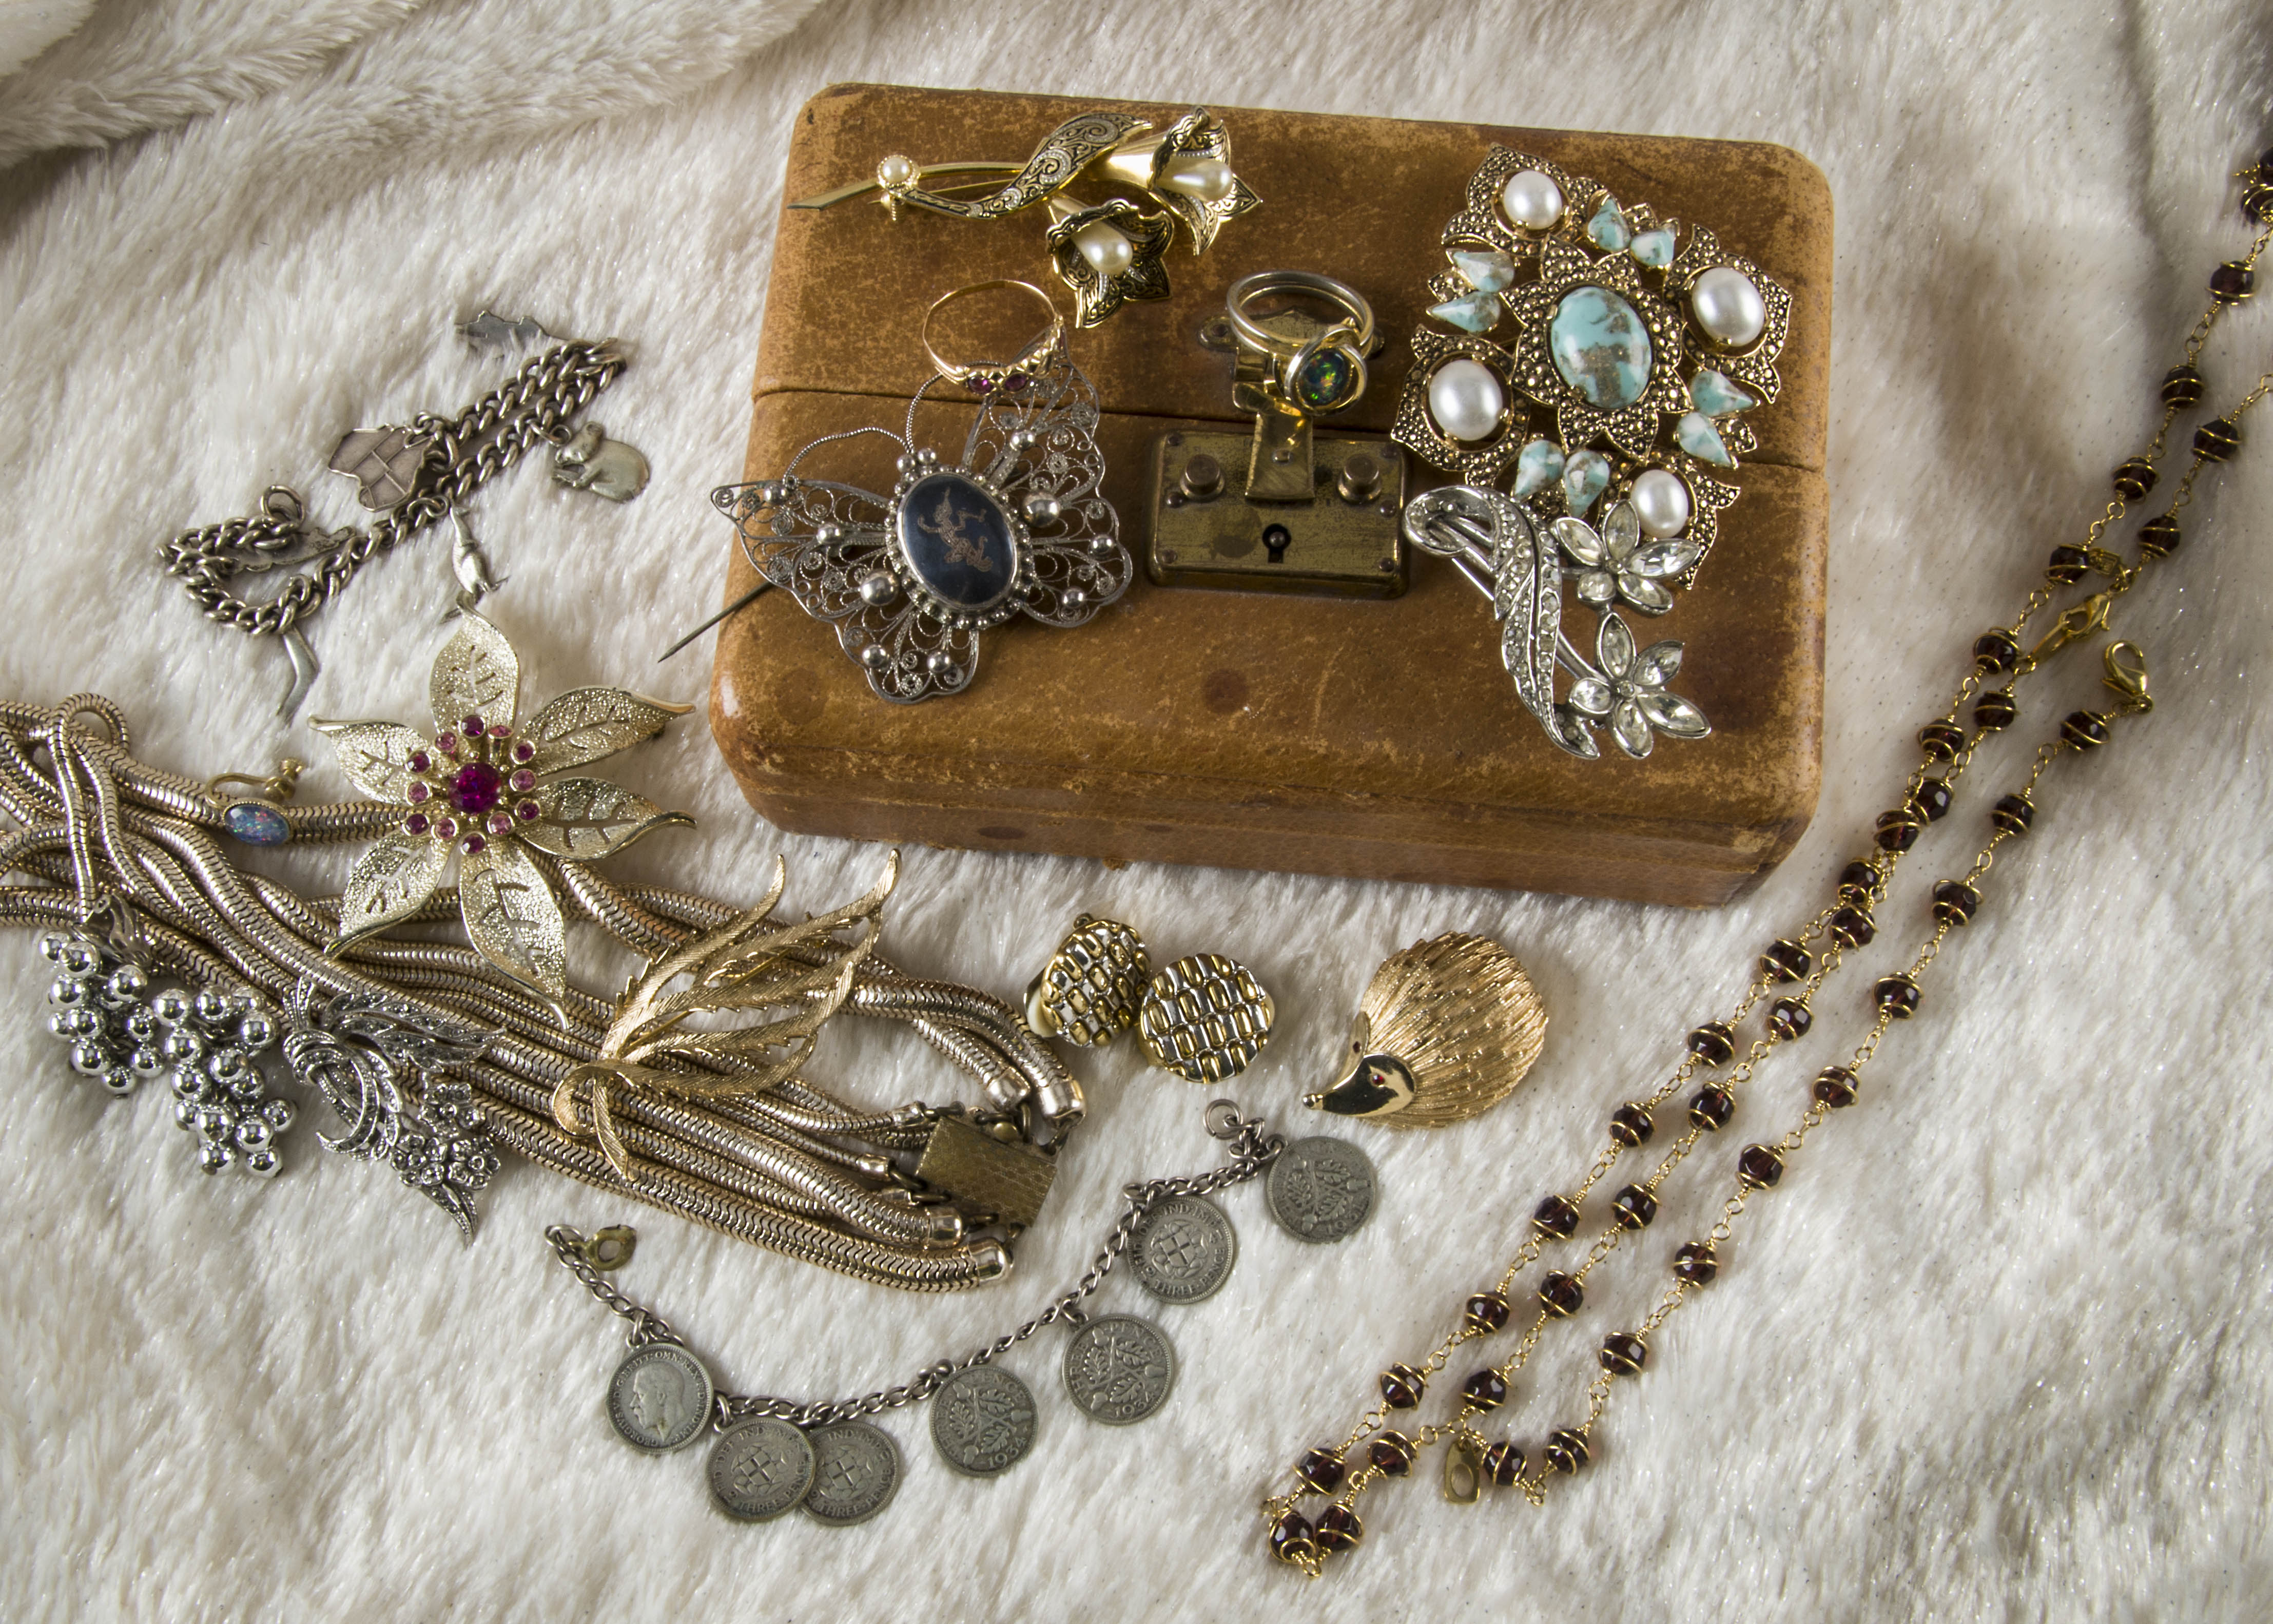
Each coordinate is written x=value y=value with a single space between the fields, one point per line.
x=819 y=540
x=1040 y=448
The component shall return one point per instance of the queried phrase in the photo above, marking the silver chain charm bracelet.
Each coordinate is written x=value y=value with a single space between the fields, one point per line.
x=414 y=476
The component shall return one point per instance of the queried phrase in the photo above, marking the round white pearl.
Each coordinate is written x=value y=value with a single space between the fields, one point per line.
x=896 y=170
x=1729 y=306
x=1466 y=400
x=1661 y=501
x=1207 y=179
x=1108 y=251
x=1532 y=200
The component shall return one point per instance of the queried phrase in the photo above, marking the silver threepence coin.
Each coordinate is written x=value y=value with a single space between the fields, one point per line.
x=1321 y=1189
x=1182 y=1249
x=659 y=1398
x=1118 y=1369
x=982 y=1421
x=759 y=1469
x=856 y=1471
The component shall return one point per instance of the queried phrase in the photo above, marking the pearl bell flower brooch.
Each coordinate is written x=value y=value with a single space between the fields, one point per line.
x=489 y=788
x=1016 y=526
x=1109 y=252
x=1593 y=364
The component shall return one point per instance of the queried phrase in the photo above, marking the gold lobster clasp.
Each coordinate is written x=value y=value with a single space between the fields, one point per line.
x=2126 y=677
x=2079 y=621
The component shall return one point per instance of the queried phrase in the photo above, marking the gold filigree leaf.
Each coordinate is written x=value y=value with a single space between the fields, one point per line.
x=375 y=756
x=802 y=967
x=512 y=918
x=391 y=884
x=591 y=818
x=587 y=724
x=477 y=673
x=864 y=911
x=637 y=1007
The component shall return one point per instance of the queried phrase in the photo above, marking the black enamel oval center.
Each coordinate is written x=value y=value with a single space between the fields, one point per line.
x=956 y=540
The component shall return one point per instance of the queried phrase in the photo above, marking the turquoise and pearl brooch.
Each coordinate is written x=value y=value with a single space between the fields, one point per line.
x=1589 y=366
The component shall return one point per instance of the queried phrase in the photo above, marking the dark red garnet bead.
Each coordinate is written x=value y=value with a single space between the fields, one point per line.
x=1787 y=961
x=1392 y=1453
x=2182 y=386
x=2257 y=201
x=1853 y=926
x=1932 y=800
x=1629 y=1126
x=1624 y=1354
x=1898 y=829
x=2135 y=479
x=1789 y=1019
x=1402 y=1386
x=1994 y=651
x=2086 y=730
x=1339 y=1530
x=1556 y=1218
x=1485 y=1389
x=1714 y=1043
x=1897 y=994
x=1859 y=883
x=1633 y=1207
x=1696 y=1263
x=1560 y=1296
x=1486 y=1311
x=1503 y=1463
x=1835 y=1085
x=2158 y=537
x=1291 y=1540
x=1565 y=1451
x=1995 y=711
x=2217 y=442
x=1955 y=901
x=1942 y=741
x=2265 y=167
x=1759 y=1167
x=475 y=787
x=1321 y=1471
x=2067 y=565
x=2233 y=283
x=2013 y=814
x=1712 y=1109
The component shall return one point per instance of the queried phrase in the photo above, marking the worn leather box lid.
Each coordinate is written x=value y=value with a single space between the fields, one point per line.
x=1377 y=738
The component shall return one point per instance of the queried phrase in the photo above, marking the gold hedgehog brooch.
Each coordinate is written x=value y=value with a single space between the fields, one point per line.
x=1446 y=1030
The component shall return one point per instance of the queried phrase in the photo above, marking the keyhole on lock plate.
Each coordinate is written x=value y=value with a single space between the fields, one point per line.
x=1276 y=539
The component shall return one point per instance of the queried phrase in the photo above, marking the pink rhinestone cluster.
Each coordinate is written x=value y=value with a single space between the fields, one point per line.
x=461 y=784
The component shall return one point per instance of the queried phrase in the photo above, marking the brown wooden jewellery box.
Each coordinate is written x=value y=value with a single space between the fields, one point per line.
x=1375 y=736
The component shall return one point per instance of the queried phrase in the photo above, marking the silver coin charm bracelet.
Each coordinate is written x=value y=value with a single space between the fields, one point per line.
x=769 y=1456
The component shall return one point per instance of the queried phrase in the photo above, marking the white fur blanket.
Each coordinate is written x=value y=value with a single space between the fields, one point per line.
x=1998 y=1347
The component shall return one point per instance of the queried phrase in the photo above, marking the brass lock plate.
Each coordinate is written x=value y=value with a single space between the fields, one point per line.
x=1343 y=542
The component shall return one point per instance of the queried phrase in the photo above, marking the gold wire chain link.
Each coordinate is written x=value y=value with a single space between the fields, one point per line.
x=2092 y=614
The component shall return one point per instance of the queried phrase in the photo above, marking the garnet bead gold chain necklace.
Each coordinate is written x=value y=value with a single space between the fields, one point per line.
x=1786 y=979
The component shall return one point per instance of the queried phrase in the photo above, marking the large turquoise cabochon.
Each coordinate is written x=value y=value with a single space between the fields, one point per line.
x=956 y=540
x=1600 y=348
